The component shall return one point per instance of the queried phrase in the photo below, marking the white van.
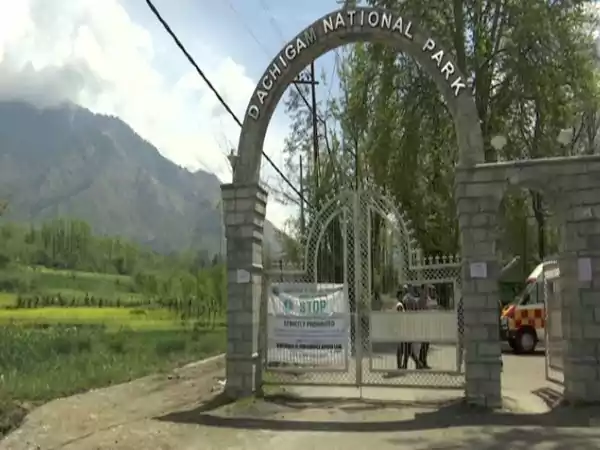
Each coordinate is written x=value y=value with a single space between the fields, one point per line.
x=523 y=321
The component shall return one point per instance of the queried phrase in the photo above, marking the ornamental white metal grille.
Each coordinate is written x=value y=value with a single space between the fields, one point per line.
x=553 y=342
x=331 y=314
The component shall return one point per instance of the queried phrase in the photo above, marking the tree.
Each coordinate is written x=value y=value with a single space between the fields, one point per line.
x=533 y=71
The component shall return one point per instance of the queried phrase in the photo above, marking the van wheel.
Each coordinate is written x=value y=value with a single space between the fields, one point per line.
x=513 y=344
x=525 y=341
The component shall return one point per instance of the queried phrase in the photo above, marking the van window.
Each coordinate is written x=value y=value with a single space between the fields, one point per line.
x=531 y=294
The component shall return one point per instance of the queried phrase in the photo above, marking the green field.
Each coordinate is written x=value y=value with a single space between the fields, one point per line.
x=109 y=318
x=63 y=332
x=7 y=299
x=43 y=363
x=69 y=284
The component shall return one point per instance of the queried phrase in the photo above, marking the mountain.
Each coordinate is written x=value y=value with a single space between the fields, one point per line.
x=70 y=162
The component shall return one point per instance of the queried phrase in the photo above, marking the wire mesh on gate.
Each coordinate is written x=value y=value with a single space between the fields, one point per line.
x=358 y=251
x=433 y=336
x=308 y=314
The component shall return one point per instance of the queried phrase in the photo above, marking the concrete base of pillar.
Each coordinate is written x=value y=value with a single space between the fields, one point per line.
x=483 y=386
x=241 y=379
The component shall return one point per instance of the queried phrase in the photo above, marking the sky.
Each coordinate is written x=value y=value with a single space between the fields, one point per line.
x=113 y=57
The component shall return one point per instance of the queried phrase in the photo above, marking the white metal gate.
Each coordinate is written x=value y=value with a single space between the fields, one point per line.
x=553 y=336
x=333 y=321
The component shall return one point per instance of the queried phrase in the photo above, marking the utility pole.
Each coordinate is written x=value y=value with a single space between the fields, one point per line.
x=302 y=218
x=310 y=79
x=313 y=89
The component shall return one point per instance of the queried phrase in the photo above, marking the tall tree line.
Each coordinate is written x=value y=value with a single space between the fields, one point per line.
x=534 y=73
x=70 y=244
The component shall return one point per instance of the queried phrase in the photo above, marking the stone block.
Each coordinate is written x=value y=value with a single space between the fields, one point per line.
x=484 y=220
x=584 y=372
x=242 y=318
x=240 y=378
x=478 y=190
x=574 y=391
x=477 y=333
x=591 y=330
x=592 y=391
x=477 y=371
x=486 y=286
x=464 y=220
x=486 y=394
x=245 y=348
x=488 y=317
x=586 y=197
x=489 y=349
x=492 y=390
x=234 y=333
x=248 y=333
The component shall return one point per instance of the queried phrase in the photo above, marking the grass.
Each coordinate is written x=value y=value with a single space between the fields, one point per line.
x=41 y=364
x=7 y=299
x=87 y=275
x=54 y=351
x=43 y=280
x=38 y=364
x=110 y=318
x=125 y=297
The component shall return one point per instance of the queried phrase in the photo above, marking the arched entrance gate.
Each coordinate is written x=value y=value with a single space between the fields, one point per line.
x=331 y=319
x=245 y=202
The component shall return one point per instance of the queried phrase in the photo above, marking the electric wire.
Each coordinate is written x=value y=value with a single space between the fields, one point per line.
x=265 y=8
x=200 y=72
x=277 y=28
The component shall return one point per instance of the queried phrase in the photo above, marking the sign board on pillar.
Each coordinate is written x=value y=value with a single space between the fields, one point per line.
x=478 y=269
x=242 y=276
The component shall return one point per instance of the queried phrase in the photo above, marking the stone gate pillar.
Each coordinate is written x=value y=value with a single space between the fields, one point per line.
x=244 y=210
x=478 y=202
x=580 y=289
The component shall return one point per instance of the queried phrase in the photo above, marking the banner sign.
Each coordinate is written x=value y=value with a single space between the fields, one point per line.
x=308 y=325
x=307 y=299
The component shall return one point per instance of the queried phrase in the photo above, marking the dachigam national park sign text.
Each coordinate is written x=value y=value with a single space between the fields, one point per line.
x=345 y=21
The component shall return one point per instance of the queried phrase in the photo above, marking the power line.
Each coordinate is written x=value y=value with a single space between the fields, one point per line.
x=313 y=109
x=333 y=70
x=191 y=60
x=266 y=9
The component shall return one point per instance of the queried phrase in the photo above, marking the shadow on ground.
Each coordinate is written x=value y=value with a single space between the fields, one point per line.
x=513 y=439
x=259 y=415
x=535 y=353
x=560 y=428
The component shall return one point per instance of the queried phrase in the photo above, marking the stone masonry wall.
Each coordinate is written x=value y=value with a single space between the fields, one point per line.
x=477 y=207
x=244 y=210
x=572 y=185
x=581 y=297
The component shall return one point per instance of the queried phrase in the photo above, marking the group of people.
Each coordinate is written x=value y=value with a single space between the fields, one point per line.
x=411 y=298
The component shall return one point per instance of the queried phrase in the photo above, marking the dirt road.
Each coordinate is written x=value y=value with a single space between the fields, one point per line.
x=171 y=412
x=118 y=417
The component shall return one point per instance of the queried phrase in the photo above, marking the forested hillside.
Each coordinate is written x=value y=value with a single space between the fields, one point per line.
x=67 y=162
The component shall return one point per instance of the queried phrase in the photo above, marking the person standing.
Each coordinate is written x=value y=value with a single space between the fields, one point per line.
x=424 y=304
x=406 y=302
x=401 y=363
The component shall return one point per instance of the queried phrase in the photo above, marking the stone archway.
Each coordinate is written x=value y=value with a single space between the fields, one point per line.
x=345 y=27
x=245 y=202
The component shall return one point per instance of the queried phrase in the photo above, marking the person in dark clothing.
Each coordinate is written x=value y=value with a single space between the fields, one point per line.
x=424 y=301
x=401 y=360
x=405 y=350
